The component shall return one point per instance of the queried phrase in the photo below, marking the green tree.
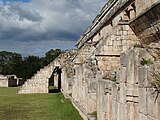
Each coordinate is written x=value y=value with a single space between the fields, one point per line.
x=51 y=55
x=30 y=66
x=8 y=62
x=13 y=63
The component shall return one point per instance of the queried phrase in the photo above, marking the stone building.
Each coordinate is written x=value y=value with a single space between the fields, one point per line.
x=8 y=81
x=3 y=81
x=115 y=71
x=104 y=48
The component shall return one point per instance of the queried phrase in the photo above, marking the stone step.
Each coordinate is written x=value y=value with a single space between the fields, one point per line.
x=39 y=82
x=34 y=84
x=33 y=90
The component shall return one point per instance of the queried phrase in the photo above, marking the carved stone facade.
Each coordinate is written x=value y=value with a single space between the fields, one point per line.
x=115 y=70
x=131 y=96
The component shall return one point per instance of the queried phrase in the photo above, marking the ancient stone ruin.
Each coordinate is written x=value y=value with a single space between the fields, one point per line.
x=115 y=72
x=9 y=81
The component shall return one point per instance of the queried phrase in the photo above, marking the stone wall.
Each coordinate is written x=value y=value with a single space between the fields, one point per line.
x=99 y=50
x=8 y=81
x=131 y=95
x=97 y=85
x=149 y=98
x=65 y=61
x=3 y=81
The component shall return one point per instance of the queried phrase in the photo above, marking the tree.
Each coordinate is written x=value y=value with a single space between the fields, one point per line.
x=8 y=62
x=13 y=63
x=30 y=66
x=51 y=55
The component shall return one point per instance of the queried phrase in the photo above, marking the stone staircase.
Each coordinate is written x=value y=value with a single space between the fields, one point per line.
x=39 y=82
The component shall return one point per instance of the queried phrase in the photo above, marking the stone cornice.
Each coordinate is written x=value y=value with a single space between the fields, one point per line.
x=108 y=12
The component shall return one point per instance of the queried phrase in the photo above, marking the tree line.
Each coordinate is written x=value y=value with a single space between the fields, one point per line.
x=24 y=67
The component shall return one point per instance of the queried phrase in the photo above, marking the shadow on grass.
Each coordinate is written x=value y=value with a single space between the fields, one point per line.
x=54 y=91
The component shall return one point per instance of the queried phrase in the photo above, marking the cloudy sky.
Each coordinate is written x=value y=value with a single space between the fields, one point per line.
x=32 y=27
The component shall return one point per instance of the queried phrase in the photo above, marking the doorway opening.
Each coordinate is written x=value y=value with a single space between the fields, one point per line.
x=55 y=80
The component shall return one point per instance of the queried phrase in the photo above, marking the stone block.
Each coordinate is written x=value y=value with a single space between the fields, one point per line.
x=121 y=112
x=151 y=118
x=91 y=102
x=142 y=116
x=130 y=68
x=118 y=74
x=151 y=104
x=132 y=92
x=122 y=93
x=143 y=77
x=158 y=106
x=142 y=101
x=129 y=111
x=114 y=109
x=115 y=92
x=123 y=60
x=122 y=78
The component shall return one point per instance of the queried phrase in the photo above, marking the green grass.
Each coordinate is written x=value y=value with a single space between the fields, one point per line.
x=35 y=106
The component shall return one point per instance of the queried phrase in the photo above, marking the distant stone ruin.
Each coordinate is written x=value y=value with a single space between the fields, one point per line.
x=115 y=72
x=9 y=81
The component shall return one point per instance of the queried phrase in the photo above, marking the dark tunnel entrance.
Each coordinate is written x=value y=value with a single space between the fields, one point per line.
x=55 y=80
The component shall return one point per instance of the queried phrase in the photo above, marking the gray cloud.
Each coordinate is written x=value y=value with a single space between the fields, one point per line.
x=59 y=22
x=25 y=12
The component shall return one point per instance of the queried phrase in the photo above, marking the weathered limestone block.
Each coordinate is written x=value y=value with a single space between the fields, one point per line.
x=142 y=116
x=91 y=103
x=148 y=94
x=121 y=76
x=123 y=60
x=131 y=111
x=151 y=104
x=81 y=87
x=122 y=93
x=115 y=92
x=106 y=97
x=3 y=81
x=107 y=65
x=142 y=102
x=158 y=107
x=143 y=77
x=132 y=66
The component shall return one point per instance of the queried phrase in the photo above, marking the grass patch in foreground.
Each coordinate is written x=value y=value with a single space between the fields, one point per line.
x=35 y=106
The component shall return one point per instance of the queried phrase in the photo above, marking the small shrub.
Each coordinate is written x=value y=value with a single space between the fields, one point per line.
x=145 y=61
x=94 y=114
x=137 y=45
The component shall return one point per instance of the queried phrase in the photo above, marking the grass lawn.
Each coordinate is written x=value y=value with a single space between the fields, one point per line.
x=51 y=106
